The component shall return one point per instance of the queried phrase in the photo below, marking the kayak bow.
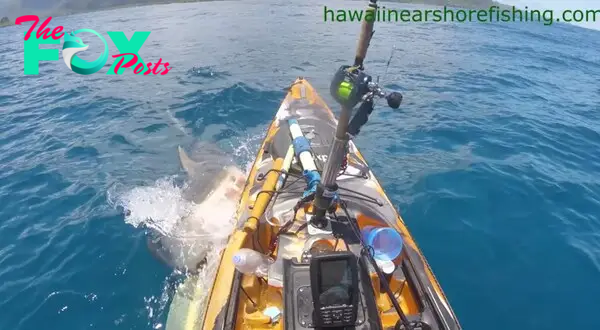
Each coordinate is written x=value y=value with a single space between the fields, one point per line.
x=239 y=301
x=318 y=244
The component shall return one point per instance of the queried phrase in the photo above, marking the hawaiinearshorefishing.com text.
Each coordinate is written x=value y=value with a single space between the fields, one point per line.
x=445 y=14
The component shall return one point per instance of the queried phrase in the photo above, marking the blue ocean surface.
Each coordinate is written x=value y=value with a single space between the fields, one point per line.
x=493 y=159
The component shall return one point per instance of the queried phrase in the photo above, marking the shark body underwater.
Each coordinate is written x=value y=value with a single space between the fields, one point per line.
x=215 y=186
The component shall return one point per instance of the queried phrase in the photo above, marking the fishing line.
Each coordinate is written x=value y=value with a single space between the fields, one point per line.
x=374 y=200
x=288 y=186
x=388 y=64
x=368 y=200
x=248 y=296
x=353 y=175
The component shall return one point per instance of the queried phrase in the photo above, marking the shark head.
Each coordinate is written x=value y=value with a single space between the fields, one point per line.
x=72 y=46
x=214 y=185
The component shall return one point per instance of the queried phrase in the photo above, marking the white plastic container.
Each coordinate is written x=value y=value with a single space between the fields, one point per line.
x=251 y=262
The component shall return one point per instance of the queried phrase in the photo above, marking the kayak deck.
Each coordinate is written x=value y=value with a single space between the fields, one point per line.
x=238 y=301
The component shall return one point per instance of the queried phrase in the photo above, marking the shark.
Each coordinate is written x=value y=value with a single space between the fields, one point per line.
x=214 y=185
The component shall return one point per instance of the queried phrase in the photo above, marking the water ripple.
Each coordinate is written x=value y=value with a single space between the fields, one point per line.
x=491 y=159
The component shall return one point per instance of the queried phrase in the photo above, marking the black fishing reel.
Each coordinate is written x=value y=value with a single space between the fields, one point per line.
x=394 y=99
x=350 y=85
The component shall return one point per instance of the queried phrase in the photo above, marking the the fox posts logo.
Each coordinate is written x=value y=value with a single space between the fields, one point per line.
x=127 y=58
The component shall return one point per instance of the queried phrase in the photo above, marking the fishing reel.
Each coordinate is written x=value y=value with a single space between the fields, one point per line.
x=351 y=86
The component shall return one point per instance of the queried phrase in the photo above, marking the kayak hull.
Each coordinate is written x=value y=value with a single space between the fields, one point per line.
x=362 y=193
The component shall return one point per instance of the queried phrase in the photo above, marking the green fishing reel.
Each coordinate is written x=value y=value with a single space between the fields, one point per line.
x=349 y=85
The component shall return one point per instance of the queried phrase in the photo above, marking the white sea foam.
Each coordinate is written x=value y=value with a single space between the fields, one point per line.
x=161 y=206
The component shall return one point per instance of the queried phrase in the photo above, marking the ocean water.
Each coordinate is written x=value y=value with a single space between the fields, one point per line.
x=492 y=159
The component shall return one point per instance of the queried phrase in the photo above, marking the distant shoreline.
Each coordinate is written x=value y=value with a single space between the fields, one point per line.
x=467 y=4
x=61 y=12
x=123 y=6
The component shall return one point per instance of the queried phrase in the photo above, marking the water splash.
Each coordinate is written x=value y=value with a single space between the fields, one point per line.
x=245 y=148
x=161 y=207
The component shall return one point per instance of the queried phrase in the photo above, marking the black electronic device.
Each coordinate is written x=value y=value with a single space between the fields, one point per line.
x=335 y=291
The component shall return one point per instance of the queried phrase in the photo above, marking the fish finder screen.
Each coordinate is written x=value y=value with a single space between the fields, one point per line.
x=336 y=283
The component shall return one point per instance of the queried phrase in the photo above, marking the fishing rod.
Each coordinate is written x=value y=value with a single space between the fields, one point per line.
x=366 y=33
x=350 y=86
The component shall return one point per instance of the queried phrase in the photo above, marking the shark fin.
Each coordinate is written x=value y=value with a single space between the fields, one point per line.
x=186 y=162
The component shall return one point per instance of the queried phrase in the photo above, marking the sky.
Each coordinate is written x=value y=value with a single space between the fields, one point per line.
x=559 y=5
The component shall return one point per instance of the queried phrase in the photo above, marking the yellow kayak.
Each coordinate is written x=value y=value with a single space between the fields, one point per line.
x=277 y=261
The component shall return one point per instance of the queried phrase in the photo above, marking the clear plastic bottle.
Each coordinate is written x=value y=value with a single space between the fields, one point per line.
x=250 y=262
